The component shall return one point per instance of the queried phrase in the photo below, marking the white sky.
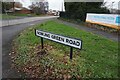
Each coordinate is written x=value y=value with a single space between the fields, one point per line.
x=57 y=4
x=115 y=4
x=53 y=4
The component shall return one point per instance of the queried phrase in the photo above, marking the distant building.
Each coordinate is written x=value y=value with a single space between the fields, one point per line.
x=18 y=8
x=53 y=12
x=18 y=5
x=22 y=10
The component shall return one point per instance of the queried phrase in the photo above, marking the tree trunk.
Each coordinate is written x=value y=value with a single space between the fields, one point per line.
x=13 y=7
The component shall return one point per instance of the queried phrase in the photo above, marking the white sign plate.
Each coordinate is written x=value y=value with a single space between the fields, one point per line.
x=60 y=39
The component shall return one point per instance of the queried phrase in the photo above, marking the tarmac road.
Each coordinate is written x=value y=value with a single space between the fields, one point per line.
x=8 y=34
x=25 y=20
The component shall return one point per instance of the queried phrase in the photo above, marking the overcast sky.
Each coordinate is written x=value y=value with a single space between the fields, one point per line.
x=115 y=3
x=53 y=4
x=57 y=4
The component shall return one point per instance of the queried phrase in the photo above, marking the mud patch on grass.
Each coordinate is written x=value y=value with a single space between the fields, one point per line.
x=45 y=63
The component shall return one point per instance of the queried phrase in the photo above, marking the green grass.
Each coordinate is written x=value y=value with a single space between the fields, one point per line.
x=26 y=15
x=4 y=16
x=12 y=16
x=97 y=59
x=19 y=14
x=16 y=15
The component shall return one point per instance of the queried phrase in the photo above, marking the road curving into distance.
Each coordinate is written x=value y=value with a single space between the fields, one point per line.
x=8 y=34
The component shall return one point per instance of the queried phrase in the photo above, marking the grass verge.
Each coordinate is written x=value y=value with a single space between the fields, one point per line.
x=97 y=59
x=4 y=16
x=96 y=26
x=17 y=15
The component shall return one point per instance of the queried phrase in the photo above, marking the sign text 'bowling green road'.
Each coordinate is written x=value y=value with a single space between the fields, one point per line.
x=60 y=39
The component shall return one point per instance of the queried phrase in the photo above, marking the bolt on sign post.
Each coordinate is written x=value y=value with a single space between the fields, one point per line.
x=72 y=42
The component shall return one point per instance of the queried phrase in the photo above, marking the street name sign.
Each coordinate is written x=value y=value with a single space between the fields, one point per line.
x=72 y=42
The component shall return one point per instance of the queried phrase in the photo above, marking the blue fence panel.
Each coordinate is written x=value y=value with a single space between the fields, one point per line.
x=118 y=19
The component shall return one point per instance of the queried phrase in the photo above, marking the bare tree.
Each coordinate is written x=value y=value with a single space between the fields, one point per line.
x=38 y=7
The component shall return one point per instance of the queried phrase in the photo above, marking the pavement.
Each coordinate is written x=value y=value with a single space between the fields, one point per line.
x=8 y=34
x=105 y=34
x=24 y=20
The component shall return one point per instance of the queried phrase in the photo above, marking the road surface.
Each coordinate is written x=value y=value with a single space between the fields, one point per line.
x=25 y=20
x=105 y=34
x=8 y=34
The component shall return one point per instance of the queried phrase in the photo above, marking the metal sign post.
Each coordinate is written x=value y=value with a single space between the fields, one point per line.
x=42 y=43
x=71 y=52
